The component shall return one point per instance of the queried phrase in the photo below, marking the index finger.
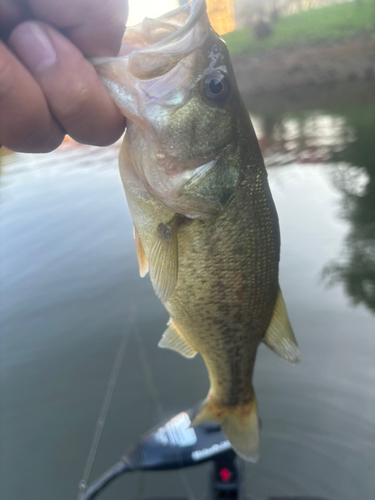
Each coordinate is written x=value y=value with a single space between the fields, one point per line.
x=96 y=27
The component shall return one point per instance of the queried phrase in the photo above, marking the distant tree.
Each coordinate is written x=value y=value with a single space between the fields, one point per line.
x=262 y=28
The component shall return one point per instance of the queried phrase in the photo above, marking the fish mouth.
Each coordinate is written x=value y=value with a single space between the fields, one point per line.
x=153 y=47
x=167 y=30
x=157 y=65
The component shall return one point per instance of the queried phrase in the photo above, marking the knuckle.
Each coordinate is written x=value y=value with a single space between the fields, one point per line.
x=6 y=77
x=33 y=144
x=29 y=139
x=50 y=144
x=78 y=106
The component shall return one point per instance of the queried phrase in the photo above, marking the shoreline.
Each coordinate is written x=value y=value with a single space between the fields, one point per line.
x=346 y=60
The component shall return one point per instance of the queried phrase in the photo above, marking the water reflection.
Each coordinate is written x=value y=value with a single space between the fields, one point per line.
x=356 y=270
x=344 y=137
x=304 y=138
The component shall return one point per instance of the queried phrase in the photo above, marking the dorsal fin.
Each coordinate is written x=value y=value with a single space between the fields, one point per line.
x=141 y=255
x=163 y=260
x=173 y=339
x=279 y=336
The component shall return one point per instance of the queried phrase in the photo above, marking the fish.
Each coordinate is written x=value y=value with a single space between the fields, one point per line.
x=205 y=224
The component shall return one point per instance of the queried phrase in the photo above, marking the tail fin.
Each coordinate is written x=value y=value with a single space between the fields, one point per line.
x=240 y=425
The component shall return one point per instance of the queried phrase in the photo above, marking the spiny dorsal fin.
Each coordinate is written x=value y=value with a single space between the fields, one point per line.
x=279 y=336
x=141 y=255
x=173 y=339
x=163 y=260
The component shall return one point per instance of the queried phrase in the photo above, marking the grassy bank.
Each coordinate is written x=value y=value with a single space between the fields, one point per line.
x=334 y=22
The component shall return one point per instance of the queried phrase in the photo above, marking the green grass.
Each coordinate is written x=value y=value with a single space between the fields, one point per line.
x=334 y=22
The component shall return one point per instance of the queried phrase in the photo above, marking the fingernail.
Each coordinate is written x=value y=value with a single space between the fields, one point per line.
x=33 y=46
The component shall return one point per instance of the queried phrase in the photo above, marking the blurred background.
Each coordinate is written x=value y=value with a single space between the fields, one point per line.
x=71 y=296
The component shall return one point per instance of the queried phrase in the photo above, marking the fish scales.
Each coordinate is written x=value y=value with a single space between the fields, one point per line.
x=206 y=228
x=227 y=289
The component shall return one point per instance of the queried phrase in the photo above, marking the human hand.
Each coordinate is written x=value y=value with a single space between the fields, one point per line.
x=47 y=87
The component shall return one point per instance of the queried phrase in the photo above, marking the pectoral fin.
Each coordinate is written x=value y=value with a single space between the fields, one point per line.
x=163 y=260
x=279 y=336
x=141 y=255
x=173 y=339
x=211 y=187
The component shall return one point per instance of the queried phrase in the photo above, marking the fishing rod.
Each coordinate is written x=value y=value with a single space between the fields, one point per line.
x=173 y=444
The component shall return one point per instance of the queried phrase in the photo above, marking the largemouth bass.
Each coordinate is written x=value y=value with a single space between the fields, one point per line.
x=205 y=224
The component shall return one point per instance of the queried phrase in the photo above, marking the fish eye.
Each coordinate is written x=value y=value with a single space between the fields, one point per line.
x=216 y=86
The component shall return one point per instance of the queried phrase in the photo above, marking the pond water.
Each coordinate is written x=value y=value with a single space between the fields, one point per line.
x=71 y=294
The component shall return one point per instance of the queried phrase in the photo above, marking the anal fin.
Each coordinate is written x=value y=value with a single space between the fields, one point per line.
x=141 y=255
x=173 y=339
x=163 y=260
x=279 y=336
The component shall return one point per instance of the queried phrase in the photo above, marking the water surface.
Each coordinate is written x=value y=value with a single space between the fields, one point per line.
x=71 y=293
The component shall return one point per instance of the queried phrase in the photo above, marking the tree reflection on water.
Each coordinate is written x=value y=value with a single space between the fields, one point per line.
x=357 y=184
x=342 y=134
